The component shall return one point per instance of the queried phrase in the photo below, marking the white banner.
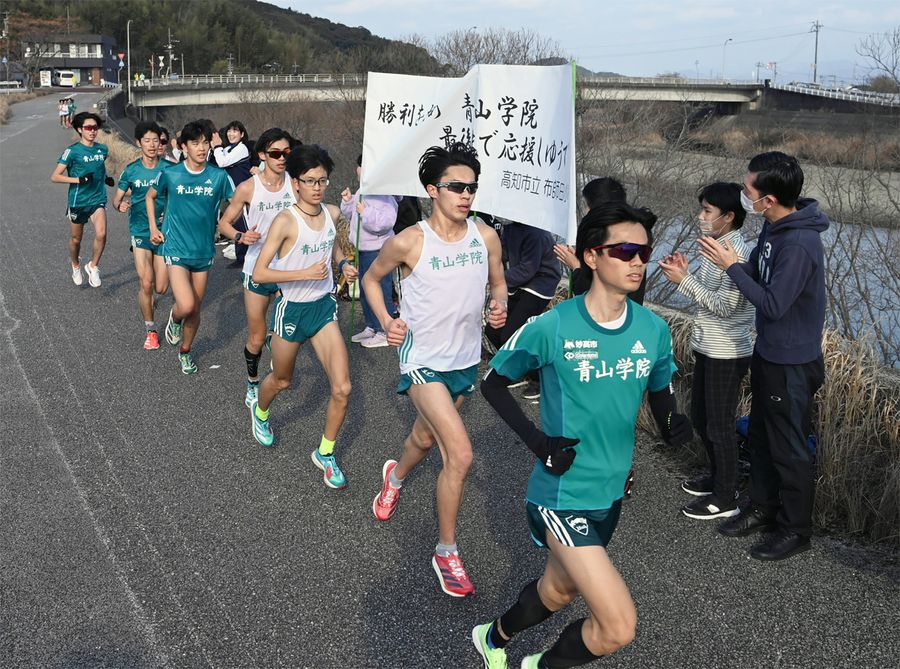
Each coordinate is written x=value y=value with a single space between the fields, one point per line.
x=519 y=118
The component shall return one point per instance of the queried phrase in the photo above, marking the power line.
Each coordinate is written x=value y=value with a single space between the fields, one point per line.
x=695 y=48
x=678 y=39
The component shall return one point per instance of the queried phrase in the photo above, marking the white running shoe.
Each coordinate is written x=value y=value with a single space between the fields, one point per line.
x=77 y=278
x=229 y=252
x=93 y=273
x=377 y=340
x=363 y=335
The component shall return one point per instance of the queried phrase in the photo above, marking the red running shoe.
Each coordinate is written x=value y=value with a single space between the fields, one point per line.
x=151 y=343
x=386 y=501
x=452 y=575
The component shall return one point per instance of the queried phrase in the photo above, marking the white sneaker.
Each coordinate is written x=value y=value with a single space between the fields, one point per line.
x=77 y=279
x=229 y=252
x=362 y=336
x=93 y=273
x=375 y=341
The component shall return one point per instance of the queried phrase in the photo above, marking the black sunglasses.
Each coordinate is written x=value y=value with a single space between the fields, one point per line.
x=278 y=153
x=458 y=186
x=625 y=251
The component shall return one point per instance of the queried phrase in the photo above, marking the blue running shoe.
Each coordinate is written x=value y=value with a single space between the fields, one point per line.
x=252 y=393
x=261 y=430
x=333 y=476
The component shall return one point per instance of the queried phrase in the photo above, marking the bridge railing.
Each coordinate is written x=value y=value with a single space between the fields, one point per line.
x=197 y=80
x=666 y=81
x=861 y=96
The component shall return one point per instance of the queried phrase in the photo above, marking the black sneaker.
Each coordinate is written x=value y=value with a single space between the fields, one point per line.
x=699 y=486
x=532 y=391
x=709 y=507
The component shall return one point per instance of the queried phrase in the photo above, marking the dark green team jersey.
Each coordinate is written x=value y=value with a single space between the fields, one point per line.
x=139 y=178
x=592 y=384
x=79 y=161
x=192 y=209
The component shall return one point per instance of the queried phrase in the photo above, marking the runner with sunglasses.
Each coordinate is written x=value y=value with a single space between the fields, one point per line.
x=82 y=166
x=259 y=199
x=445 y=262
x=136 y=179
x=297 y=255
x=597 y=354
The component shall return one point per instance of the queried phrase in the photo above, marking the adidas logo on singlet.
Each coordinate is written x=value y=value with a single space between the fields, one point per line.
x=208 y=181
x=474 y=243
x=638 y=347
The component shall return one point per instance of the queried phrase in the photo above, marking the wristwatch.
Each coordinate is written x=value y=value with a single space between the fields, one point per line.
x=237 y=237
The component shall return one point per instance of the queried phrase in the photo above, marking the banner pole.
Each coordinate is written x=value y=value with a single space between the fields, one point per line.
x=356 y=263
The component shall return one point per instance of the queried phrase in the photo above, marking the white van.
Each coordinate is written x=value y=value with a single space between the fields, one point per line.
x=68 y=78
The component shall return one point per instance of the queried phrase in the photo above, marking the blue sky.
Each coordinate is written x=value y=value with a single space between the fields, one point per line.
x=647 y=37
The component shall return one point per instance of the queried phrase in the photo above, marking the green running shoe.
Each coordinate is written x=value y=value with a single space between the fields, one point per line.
x=531 y=661
x=187 y=363
x=173 y=331
x=252 y=393
x=261 y=430
x=494 y=658
x=332 y=474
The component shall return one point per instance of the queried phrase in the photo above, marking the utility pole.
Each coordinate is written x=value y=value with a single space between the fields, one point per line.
x=758 y=65
x=128 y=49
x=723 y=57
x=230 y=60
x=6 y=37
x=815 y=29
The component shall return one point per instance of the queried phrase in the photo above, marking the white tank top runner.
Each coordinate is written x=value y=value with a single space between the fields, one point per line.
x=442 y=301
x=312 y=247
x=264 y=206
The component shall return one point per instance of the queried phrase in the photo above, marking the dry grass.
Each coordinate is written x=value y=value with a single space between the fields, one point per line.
x=860 y=151
x=858 y=430
x=120 y=152
x=7 y=101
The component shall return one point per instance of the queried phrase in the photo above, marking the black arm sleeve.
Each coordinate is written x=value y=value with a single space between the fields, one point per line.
x=495 y=391
x=663 y=406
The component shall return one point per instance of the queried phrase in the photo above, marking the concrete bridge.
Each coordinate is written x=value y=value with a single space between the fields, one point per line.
x=221 y=89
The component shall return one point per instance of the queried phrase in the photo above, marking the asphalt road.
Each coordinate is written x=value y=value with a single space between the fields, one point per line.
x=142 y=526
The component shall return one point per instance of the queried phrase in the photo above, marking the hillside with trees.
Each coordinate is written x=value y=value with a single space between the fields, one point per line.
x=258 y=36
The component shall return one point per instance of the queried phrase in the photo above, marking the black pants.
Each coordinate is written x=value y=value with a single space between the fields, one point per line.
x=521 y=306
x=714 y=399
x=782 y=476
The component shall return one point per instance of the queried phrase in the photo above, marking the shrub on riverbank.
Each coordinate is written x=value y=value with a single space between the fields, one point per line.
x=857 y=424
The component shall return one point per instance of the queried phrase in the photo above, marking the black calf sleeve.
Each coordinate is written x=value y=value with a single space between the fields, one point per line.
x=252 y=360
x=525 y=613
x=569 y=650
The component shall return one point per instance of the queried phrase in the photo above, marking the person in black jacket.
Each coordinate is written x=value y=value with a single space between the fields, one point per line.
x=532 y=275
x=784 y=278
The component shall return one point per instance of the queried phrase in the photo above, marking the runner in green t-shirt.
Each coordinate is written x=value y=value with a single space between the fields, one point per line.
x=193 y=191
x=82 y=167
x=596 y=354
x=136 y=179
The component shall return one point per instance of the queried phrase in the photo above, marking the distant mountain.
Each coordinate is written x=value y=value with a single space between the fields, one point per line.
x=582 y=71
